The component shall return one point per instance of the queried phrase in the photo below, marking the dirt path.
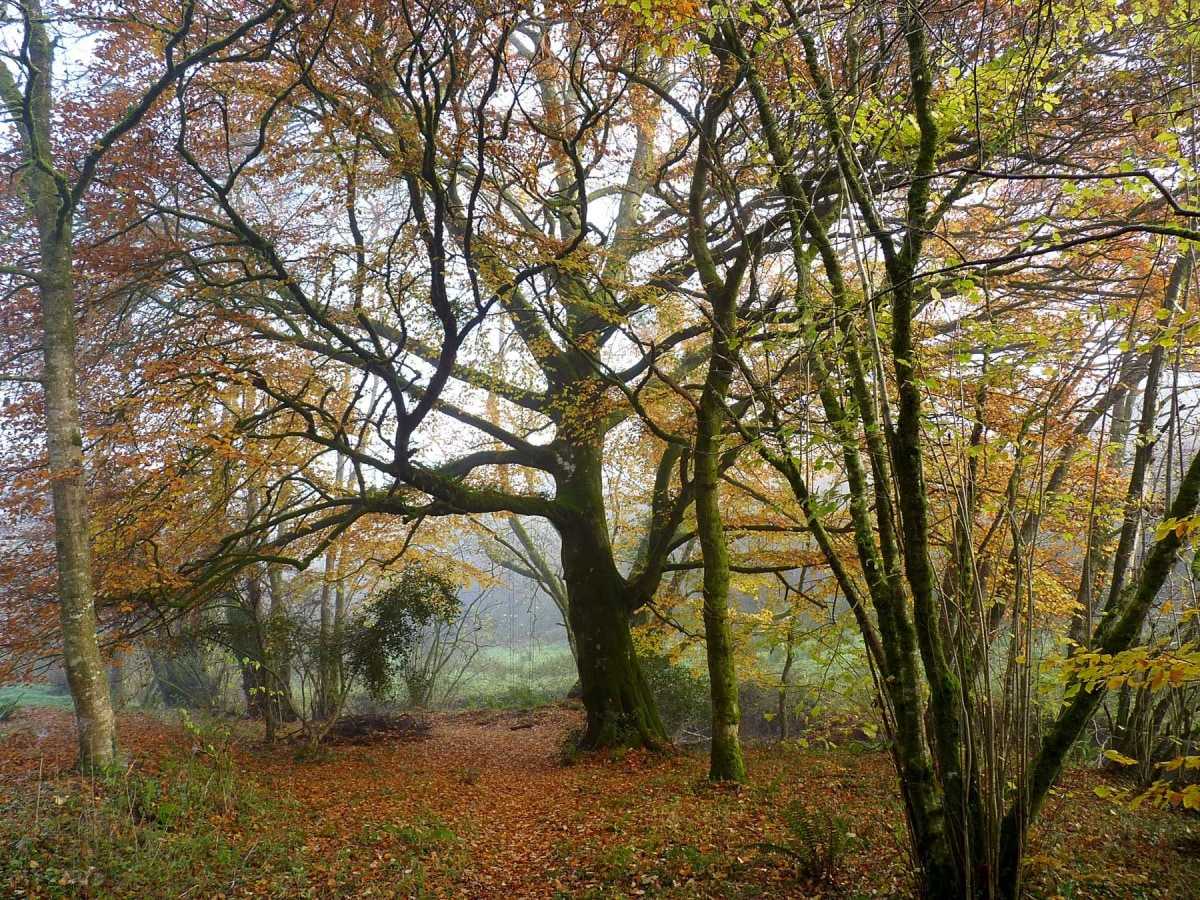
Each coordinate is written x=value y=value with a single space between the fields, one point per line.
x=495 y=781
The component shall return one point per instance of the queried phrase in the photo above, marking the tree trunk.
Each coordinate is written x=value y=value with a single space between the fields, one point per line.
x=279 y=646
x=329 y=651
x=53 y=213
x=725 y=761
x=620 y=708
x=341 y=609
x=785 y=680
x=262 y=683
x=85 y=668
x=327 y=688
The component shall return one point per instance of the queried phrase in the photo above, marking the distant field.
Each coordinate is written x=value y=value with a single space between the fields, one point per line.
x=499 y=676
x=39 y=695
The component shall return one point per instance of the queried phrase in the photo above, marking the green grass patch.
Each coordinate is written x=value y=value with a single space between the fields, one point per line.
x=523 y=679
x=16 y=696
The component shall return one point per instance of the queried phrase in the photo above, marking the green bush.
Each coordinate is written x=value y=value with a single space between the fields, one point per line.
x=681 y=694
x=383 y=640
x=8 y=706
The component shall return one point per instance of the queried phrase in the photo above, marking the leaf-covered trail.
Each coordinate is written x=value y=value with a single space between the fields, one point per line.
x=491 y=779
x=522 y=823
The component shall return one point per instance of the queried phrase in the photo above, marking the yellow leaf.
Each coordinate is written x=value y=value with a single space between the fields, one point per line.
x=1191 y=797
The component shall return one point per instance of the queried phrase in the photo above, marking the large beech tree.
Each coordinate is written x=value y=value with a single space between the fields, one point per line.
x=470 y=173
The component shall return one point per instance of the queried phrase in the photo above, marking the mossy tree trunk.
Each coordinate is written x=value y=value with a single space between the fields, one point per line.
x=620 y=708
x=725 y=760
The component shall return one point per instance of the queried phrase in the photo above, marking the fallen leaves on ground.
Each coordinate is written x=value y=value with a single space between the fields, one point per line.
x=482 y=805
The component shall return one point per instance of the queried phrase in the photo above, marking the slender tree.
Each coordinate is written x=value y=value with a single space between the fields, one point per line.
x=55 y=186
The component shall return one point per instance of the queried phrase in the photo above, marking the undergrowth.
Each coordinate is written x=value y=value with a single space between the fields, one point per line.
x=818 y=844
x=194 y=821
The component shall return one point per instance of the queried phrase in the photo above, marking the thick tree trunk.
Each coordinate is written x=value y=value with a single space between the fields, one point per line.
x=620 y=708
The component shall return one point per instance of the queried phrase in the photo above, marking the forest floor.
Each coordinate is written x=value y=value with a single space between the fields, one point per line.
x=483 y=805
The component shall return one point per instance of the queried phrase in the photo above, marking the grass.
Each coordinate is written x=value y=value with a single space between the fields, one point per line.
x=518 y=679
x=33 y=695
x=481 y=809
x=143 y=833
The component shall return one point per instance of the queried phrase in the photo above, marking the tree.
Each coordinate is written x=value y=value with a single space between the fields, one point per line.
x=872 y=361
x=417 y=114
x=54 y=180
x=722 y=293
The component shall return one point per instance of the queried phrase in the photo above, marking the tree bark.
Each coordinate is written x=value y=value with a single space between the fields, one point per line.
x=620 y=708
x=327 y=688
x=77 y=610
x=726 y=762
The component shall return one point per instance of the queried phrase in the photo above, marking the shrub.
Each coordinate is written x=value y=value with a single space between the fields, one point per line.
x=682 y=695
x=383 y=642
x=8 y=706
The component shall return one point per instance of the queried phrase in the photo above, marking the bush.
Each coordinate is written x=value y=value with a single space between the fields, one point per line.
x=8 y=706
x=383 y=642
x=682 y=696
